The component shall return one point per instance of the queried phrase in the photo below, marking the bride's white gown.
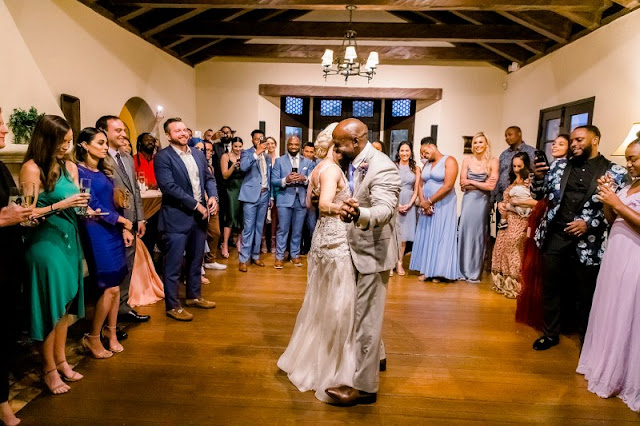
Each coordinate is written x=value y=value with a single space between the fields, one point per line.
x=321 y=352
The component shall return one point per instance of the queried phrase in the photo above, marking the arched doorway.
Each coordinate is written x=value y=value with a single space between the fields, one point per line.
x=138 y=117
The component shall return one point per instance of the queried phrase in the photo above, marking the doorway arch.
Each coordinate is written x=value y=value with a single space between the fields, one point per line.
x=138 y=117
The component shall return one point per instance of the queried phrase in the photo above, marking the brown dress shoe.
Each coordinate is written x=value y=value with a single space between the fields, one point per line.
x=348 y=396
x=278 y=264
x=296 y=261
x=242 y=267
x=200 y=303
x=257 y=262
x=179 y=315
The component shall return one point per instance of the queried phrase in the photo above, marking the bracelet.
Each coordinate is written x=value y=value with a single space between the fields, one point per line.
x=51 y=206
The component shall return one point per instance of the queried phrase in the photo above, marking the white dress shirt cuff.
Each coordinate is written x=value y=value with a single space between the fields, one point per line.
x=255 y=155
x=284 y=182
x=363 y=220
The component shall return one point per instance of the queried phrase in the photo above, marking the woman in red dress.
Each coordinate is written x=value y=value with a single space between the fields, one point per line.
x=529 y=305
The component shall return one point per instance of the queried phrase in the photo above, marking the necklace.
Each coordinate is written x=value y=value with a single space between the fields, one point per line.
x=86 y=166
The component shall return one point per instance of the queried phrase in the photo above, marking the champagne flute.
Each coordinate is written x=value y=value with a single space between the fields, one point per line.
x=28 y=190
x=85 y=188
x=142 y=181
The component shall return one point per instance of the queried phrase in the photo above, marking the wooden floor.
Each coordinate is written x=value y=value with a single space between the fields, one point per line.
x=454 y=353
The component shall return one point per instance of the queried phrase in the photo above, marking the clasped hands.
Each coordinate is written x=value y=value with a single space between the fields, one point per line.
x=606 y=194
x=350 y=210
x=210 y=210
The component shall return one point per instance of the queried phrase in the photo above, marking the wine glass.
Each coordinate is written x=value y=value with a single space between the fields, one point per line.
x=85 y=188
x=28 y=196
x=142 y=181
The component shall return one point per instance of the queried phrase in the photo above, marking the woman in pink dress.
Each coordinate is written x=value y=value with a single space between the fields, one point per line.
x=610 y=358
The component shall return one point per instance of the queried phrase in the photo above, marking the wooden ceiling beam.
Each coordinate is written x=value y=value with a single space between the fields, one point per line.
x=535 y=26
x=180 y=19
x=388 y=53
x=373 y=31
x=589 y=20
x=629 y=4
x=278 y=90
x=387 y=5
x=134 y=14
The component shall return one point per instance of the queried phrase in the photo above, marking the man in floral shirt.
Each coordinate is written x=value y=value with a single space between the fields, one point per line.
x=572 y=232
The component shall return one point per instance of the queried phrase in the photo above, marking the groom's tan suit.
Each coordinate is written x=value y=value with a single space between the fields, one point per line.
x=374 y=251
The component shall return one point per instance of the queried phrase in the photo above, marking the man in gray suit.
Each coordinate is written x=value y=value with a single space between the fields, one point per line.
x=374 y=250
x=124 y=179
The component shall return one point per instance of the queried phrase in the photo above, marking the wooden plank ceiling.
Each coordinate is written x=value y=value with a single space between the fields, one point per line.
x=498 y=32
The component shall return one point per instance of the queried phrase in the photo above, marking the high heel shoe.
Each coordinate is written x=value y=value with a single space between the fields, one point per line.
x=104 y=354
x=400 y=269
x=58 y=389
x=74 y=377
x=114 y=349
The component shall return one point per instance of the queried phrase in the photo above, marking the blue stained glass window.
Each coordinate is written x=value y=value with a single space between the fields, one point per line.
x=363 y=108
x=293 y=105
x=330 y=107
x=401 y=107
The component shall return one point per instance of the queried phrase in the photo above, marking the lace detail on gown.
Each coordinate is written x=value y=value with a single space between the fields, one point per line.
x=321 y=352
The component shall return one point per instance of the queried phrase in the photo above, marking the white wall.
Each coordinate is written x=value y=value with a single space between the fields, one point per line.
x=604 y=64
x=62 y=46
x=227 y=93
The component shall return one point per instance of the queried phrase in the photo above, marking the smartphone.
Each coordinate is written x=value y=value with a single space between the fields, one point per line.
x=540 y=157
x=294 y=170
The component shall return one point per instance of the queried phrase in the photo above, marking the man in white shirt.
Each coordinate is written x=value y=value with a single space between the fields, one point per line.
x=189 y=197
x=290 y=175
x=254 y=194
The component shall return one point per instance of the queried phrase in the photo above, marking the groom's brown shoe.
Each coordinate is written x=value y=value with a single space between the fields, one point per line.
x=242 y=267
x=348 y=396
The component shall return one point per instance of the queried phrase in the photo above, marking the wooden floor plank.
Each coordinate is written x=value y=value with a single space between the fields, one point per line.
x=455 y=355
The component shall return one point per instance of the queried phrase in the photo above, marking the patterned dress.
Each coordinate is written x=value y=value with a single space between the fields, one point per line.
x=506 y=263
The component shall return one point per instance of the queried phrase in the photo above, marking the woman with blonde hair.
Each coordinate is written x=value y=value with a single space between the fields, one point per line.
x=321 y=353
x=478 y=178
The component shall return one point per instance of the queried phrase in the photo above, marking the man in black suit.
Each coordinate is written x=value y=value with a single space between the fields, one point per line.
x=124 y=179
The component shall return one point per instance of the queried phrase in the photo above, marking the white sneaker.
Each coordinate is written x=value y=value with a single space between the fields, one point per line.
x=215 y=265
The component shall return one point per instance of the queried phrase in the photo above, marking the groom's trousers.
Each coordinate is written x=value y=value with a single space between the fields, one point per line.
x=371 y=296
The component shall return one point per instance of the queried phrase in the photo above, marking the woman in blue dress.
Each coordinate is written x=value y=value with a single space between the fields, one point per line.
x=104 y=240
x=435 y=249
x=407 y=214
x=478 y=177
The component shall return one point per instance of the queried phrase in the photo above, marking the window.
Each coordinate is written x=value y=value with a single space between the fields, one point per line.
x=331 y=107
x=401 y=108
x=363 y=108
x=293 y=105
x=562 y=119
x=292 y=131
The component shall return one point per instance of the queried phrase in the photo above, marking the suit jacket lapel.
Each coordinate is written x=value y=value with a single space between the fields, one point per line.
x=564 y=179
x=358 y=175
x=125 y=179
x=600 y=169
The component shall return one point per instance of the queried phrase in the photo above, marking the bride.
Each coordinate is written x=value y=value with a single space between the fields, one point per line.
x=321 y=353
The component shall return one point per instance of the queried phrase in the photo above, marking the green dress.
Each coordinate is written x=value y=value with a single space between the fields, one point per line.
x=54 y=263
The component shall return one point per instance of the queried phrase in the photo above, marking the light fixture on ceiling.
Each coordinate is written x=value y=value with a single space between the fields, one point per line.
x=348 y=63
x=513 y=67
x=634 y=134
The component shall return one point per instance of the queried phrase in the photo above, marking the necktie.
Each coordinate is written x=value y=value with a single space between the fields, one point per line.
x=351 y=173
x=121 y=164
x=263 y=170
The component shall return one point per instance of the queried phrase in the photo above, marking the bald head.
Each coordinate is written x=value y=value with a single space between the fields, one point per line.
x=350 y=137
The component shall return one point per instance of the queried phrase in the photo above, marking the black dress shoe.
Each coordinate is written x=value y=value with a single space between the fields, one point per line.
x=133 y=316
x=347 y=396
x=121 y=335
x=545 y=342
x=383 y=364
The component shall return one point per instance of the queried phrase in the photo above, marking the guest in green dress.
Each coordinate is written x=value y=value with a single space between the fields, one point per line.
x=53 y=252
x=230 y=165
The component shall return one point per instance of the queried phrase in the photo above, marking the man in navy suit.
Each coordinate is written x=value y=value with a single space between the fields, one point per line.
x=254 y=194
x=187 y=187
x=290 y=174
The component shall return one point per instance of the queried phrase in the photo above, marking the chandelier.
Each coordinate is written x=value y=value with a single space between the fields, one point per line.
x=348 y=63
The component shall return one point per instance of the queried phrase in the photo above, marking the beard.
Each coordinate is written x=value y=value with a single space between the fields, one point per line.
x=586 y=153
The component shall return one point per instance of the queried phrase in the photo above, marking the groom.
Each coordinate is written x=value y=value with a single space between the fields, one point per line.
x=375 y=184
